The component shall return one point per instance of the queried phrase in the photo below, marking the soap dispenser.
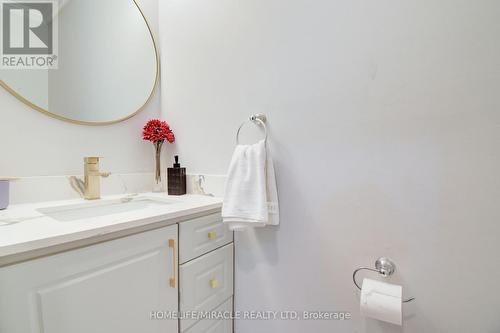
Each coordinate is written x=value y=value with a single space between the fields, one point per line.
x=176 y=179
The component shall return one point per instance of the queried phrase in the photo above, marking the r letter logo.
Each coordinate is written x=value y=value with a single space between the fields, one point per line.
x=28 y=34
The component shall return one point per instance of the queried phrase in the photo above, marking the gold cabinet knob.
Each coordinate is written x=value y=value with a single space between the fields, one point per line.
x=214 y=283
x=212 y=235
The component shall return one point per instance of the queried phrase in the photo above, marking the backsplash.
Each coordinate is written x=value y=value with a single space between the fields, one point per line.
x=206 y=184
x=36 y=189
x=51 y=188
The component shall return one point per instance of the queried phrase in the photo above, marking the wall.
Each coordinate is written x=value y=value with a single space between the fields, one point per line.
x=385 y=130
x=34 y=145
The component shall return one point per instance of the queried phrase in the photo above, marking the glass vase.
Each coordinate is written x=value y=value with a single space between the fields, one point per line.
x=158 y=184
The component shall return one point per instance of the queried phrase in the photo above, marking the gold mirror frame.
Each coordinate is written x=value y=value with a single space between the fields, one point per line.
x=90 y=123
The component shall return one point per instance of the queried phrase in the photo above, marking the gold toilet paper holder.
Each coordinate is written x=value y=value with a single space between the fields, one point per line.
x=384 y=266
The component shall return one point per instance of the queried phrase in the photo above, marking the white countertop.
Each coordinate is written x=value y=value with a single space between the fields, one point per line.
x=25 y=233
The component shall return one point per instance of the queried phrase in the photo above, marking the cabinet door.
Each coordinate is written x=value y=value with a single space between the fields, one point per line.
x=114 y=286
x=206 y=282
x=222 y=325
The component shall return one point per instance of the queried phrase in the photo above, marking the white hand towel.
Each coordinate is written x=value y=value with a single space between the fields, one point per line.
x=251 y=196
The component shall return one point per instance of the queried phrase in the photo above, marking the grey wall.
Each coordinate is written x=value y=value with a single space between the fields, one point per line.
x=385 y=129
x=33 y=144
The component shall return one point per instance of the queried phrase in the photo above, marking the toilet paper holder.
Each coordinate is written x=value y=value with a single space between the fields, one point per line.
x=383 y=266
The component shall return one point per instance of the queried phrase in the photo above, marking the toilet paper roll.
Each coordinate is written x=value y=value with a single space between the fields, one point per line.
x=382 y=301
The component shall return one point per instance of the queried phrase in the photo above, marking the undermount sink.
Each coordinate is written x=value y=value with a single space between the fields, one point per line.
x=102 y=208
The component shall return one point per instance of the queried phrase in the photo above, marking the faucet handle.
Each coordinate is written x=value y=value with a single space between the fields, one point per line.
x=91 y=159
x=92 y=162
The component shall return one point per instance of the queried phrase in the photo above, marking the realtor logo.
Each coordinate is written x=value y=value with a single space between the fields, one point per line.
x=28 y=34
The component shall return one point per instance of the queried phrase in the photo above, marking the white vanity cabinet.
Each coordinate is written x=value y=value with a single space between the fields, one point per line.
x=103 y=288
x=117 y=286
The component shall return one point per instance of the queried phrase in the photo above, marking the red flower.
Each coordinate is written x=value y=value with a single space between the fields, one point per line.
x=171 y=137
x=156 y=130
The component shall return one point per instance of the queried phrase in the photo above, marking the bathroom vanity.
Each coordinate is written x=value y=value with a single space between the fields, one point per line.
x=122 y=264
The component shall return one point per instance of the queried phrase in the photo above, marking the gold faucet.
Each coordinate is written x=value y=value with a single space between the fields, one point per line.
x=90 y=187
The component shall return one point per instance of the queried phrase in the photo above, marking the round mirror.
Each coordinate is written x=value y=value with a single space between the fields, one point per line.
x=106 y=61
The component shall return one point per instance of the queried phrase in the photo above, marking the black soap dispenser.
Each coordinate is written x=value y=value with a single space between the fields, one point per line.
x=176 y=179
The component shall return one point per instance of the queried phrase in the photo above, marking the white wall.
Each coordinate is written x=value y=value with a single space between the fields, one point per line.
x=385 y=130
x=32 y=144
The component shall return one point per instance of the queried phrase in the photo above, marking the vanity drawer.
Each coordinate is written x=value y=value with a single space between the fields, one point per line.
x=222 y=325
x=206 y=282
x=202 y=235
